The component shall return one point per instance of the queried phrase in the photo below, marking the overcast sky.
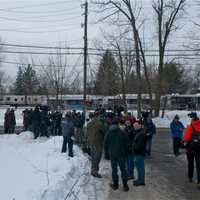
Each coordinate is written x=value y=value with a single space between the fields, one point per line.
x=58 y=22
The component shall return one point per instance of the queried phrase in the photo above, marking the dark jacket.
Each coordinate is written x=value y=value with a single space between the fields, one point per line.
x=116 y=143
x=139 y=143
x=36 y=117
x=67 y=128
x=131 y=135
x=150 y=129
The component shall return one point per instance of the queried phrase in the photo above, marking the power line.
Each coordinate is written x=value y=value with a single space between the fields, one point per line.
x=92 y=49
x=37 y=21
x=40 y=65
x=37 y=5
x=38 y=32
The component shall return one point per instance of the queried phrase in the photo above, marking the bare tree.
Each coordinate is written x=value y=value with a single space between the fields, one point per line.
x=125 y=8
x=167 y=12
x=55 y=73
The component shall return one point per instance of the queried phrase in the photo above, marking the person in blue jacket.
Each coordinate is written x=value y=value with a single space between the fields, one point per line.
x=177 y=129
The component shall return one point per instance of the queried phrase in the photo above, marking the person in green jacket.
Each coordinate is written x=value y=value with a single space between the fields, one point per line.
x=96 y=130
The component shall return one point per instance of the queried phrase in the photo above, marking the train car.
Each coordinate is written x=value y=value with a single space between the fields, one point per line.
x=182 y=102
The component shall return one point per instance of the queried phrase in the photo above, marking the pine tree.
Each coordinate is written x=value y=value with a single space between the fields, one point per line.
x=107 y=78
x=18 y=85
x=30 y=81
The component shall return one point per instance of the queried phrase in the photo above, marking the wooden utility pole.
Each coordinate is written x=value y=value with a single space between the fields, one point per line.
x=85 y=58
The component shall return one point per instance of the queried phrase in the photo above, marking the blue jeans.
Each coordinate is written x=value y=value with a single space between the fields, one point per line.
x=139 y=163
x=148 y=146
x=114 y=164
x=68 y=141
x=130 y=165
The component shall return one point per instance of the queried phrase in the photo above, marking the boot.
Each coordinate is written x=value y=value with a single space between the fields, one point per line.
x=125 y=186
x=114 y=186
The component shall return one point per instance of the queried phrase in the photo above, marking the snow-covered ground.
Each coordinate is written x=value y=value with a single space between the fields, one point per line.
x=35 y=169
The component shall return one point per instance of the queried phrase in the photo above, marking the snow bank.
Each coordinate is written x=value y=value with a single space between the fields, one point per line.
x=35 y=169
x=169 y=115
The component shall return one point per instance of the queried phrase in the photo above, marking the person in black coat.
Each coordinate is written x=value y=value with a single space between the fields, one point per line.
x=139 y=150
x=6 y=121
x=116 y=148
x=36 y=121
x=12 y=121
x=44 y=123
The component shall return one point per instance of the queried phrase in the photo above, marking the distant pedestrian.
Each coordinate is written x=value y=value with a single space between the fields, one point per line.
x=6 y=121
x=26 y=119
x=116 y=147
x=12 y=121
x=36 y=122
x=177 y=129
x=67 y=132
x=150 y=131
x=139 y=150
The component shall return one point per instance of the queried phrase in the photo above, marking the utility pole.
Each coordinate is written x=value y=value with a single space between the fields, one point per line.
x=85 y=57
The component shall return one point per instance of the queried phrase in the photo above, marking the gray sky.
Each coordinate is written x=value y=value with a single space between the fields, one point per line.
x=58 y=22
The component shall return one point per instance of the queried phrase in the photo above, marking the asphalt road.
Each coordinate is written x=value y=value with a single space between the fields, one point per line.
x=166 y=176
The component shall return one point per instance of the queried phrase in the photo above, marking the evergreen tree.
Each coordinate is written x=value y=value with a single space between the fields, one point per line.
x=18 y=85
x=107 y=78
x=174 y=79
x=30 y=81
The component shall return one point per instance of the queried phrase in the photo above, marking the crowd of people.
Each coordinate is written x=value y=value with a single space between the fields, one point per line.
x=121 y=138
x=125 y=141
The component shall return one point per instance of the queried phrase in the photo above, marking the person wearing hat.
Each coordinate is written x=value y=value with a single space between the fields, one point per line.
x=177 y=128
x=192 y=143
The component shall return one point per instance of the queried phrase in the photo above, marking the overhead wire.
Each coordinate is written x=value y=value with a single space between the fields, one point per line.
x=37 y=5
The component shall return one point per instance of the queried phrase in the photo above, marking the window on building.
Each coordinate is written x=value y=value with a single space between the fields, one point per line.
x=8 y=99
x=15 y=100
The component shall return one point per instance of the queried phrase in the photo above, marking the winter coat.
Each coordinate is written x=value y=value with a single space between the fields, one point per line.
x=67 y=128
x=150 y=129
x=139 y=143
x=130 y=133
x=116 y=143
x=36 y=117
x=6 y=119
x=96 y=130
x=11 y=119
x=176 y=129
x=189 y=130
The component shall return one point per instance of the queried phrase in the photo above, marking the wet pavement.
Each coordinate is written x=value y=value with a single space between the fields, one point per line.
x=166 y=176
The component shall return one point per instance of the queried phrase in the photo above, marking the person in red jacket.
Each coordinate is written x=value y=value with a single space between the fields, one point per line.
x=192 y=141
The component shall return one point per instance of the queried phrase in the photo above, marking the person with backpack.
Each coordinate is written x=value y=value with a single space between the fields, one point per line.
x=192 y=143
x=177 y=129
